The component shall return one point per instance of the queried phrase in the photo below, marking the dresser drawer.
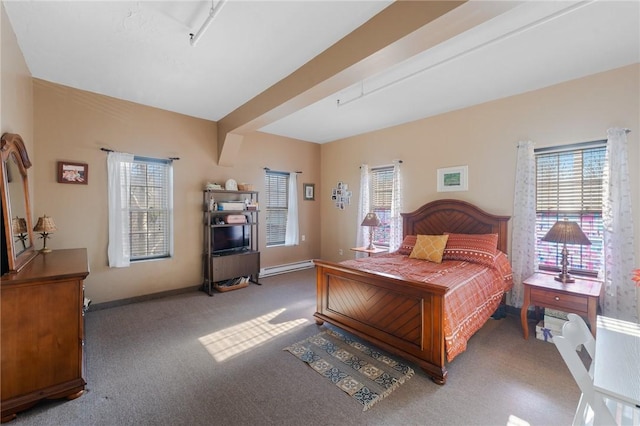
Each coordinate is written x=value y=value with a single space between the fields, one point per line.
x=560 y=301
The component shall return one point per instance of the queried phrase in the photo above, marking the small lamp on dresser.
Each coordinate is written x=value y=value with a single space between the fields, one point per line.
x=45 y=227
x=565 y=232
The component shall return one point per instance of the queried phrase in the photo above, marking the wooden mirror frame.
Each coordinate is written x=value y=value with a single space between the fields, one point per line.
x=12 y=145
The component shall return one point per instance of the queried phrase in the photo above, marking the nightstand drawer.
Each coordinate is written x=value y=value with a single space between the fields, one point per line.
x=561 y=301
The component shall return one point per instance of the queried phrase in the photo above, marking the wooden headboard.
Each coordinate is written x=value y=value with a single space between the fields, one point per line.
x=455 y=216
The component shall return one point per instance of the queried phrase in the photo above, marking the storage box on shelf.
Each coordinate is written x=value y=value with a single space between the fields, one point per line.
x=245 y=187
x=231 y=254
x=231 y=206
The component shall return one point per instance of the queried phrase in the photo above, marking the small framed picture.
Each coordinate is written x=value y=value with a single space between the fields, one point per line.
x=453 y=179
x=69 y=172
x=309 y=191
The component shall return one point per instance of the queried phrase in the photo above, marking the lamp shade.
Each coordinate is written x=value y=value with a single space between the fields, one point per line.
x=371 y=219
x=45 y=224
x=19 y=225
x=566 y=232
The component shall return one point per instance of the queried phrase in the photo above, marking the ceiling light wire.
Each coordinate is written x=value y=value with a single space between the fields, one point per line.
x=505 y=36
x=193 y=38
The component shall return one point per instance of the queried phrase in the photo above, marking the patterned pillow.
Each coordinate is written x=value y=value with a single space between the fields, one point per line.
x=477 y=248
x=429 y=247
x=407 y=245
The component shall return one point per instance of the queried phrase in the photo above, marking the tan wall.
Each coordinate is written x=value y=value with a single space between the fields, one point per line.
x=16 y=91
x=260 y=150
x=16 y=88
x=484 y=137
x=73 y=125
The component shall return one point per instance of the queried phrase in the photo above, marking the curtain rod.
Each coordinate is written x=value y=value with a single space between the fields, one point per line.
x=399 y=161
x=267 y=169
x=111 y=150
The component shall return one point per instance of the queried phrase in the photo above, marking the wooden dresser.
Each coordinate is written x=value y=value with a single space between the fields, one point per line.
x=43 y=330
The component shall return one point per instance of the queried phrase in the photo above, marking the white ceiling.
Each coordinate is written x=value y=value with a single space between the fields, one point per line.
x=140 y=52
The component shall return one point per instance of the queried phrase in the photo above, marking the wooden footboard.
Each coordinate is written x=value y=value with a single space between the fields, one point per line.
x=399 y=316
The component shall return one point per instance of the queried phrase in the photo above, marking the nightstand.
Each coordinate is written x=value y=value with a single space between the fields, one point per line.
x=375 y=250
x=579 y=297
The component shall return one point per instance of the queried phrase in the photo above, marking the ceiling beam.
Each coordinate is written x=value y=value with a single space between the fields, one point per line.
x=393 y=35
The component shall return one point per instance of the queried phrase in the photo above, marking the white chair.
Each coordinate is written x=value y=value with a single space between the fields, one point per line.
x=593 y=408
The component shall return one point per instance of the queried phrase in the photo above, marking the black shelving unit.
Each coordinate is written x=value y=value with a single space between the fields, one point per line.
x=230 y=266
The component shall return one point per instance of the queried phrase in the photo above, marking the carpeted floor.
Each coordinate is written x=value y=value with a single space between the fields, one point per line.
x=191 y=359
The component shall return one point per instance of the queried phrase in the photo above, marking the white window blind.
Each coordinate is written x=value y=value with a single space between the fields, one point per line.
x=381 y=199
x=276 y=188
x=569 y=185
x=151 y=208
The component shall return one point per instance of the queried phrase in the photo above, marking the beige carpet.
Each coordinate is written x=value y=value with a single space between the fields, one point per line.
x=191 y=359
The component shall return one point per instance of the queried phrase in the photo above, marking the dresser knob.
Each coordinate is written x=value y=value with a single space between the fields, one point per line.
x=557 y=298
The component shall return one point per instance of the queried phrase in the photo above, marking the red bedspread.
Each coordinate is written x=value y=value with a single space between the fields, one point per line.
x=473 y=292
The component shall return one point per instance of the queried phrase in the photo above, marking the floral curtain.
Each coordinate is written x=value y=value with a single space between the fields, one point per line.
x=395 y=237
x=620 y=293
x=119 y=184
x=362 y=237
x=523 y=222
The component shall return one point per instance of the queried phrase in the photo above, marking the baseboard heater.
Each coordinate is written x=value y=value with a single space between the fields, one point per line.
x=288 y=267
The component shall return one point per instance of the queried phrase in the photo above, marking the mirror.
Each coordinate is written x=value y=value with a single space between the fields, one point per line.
x=17 y=206
x=17 y=230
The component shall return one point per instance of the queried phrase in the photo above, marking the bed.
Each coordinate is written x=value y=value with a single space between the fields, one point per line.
x=418 y=317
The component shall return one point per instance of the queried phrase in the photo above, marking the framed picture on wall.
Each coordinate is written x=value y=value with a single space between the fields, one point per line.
x=309 y=191
x=453 y=179
x=69 y=172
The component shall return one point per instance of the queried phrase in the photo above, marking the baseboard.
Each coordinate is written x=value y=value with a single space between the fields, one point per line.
x=287 y=267
x=264 y=272
x=128 y=301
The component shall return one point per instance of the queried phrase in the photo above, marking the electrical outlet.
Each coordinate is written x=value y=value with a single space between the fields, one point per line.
x=303 y=237
x=340 y=252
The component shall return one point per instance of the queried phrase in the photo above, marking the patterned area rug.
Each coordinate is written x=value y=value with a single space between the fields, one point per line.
x=363 y=372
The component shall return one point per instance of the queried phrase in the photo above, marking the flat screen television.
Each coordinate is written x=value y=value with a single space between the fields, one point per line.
x=229 y=240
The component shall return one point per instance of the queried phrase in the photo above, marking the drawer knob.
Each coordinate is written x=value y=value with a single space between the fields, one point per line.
x=557 y=298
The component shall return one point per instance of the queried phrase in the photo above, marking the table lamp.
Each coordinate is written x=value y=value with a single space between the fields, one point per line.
x=45 y=227
x=371 y=220
x=19 y=227
x=566 y=232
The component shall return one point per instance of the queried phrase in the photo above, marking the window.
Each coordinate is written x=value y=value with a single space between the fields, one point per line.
x=569 y=185
x=277 y=195
x=381 y=199
x=150 y=208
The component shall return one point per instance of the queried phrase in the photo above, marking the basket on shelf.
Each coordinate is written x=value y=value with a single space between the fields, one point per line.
x=232 y=284
x=245 y=187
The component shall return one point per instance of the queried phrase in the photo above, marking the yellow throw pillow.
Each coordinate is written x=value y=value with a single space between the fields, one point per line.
x=429 y=247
